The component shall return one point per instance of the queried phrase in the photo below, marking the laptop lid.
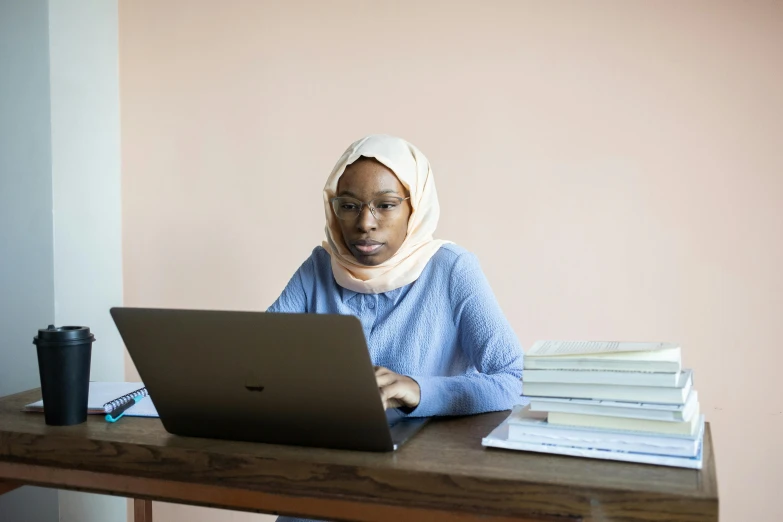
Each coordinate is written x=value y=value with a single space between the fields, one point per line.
x=300 y=379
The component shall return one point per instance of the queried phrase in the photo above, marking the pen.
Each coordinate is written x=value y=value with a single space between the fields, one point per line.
x=119 y=412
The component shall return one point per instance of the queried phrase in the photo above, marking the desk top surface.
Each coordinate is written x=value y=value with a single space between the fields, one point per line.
x=444 y=465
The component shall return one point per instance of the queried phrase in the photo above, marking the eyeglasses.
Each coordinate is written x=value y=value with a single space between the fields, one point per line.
x=348 y=209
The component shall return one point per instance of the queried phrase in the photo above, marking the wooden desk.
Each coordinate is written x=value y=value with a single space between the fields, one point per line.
x=442 y=474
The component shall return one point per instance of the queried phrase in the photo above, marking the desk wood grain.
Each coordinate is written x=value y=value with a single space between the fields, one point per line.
x=441 y=474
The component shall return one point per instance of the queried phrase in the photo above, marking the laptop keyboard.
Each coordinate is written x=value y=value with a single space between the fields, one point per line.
x=393 y=416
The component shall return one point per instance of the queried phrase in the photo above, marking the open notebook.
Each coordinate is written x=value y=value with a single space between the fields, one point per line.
x=105 y=397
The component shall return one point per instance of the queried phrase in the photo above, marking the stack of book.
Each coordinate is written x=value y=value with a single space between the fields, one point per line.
x=608 y=400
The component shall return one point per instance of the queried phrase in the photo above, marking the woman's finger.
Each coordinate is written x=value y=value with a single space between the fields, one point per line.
x=389 y=402
x=385 y=379
x=396 y=393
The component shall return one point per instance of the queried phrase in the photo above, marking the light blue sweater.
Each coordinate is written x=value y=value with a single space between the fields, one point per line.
x=445 y=330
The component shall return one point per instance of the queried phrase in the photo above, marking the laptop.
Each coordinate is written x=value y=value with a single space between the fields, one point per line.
x=296 y=379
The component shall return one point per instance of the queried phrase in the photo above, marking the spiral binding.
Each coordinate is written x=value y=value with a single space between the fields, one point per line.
x=119 y=401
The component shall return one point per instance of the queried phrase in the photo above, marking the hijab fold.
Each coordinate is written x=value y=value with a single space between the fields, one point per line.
x=406 y=265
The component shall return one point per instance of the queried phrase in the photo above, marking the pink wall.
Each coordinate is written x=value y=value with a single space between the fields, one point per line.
x=616 y=166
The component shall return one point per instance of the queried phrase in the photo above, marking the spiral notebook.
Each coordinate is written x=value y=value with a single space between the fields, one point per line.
x=105 y=397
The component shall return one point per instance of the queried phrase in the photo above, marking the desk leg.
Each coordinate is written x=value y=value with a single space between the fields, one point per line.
x=6 y=486
x=142 y=510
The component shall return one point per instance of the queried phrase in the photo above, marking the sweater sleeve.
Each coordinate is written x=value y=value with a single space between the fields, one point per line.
x=487 y=339
x=294 y=298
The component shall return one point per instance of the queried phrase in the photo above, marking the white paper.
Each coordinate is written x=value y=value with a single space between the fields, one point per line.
x=569 y=348
x=104 y=392
x=143 y=408
x=499 y=439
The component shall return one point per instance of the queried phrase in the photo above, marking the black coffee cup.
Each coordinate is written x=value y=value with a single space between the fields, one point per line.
x=64 y=355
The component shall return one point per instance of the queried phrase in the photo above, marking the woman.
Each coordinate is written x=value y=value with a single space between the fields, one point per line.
x=435 y=332
x=433 y=326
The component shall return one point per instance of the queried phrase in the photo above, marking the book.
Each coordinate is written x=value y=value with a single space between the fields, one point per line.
x=635 y=410
x=578 y=348
x=105 y=397
x=523 y=423
x=604 y=355
x=613 y=392
x=602 y=377
x=530 y=427
x=498 y=438
x=686 y=427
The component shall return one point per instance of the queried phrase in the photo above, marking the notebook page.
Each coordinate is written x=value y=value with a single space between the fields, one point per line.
x=103 y=392
x=143 y=408
x=100 y=394
x=570 y=348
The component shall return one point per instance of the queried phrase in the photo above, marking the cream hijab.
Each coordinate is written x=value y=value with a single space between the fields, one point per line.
x=406 y=265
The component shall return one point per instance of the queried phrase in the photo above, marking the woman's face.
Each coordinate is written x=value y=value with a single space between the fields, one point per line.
x=373 y=240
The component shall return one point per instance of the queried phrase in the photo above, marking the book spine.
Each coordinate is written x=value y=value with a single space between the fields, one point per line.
x=609 y=411
x=661 y=460
x=660 y=379
x=605 y=392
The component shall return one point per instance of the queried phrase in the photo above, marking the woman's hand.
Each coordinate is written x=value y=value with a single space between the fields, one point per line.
x=397 y=391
